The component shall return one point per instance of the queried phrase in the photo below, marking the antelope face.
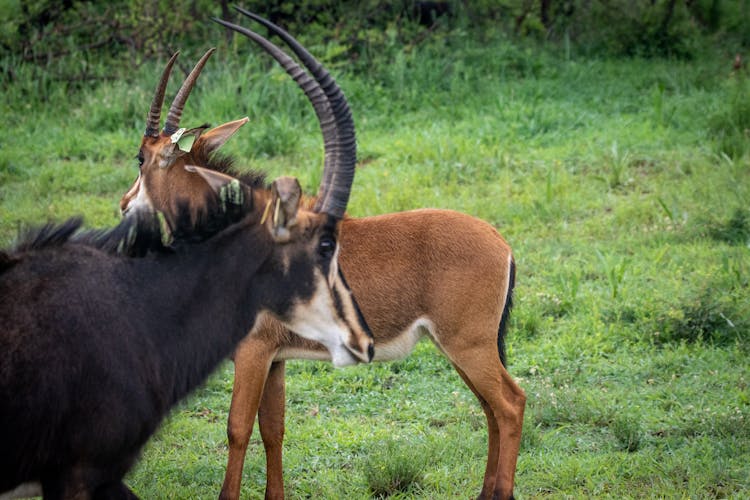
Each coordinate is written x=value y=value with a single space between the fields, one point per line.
x=306 y=260
x=167 y=180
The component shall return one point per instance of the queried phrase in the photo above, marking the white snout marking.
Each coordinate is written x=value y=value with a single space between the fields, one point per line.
x=398 y=347
x=315 y=320
x=139 y=198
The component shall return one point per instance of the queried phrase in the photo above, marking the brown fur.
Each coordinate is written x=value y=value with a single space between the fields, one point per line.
x=427 y=272
x=445 y=266
x=449 y=270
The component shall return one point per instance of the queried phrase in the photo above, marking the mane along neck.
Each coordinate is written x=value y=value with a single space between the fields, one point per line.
x=218 y=162
x=134 y=236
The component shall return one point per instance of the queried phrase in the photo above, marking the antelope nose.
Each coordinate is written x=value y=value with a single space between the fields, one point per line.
x=364 y=350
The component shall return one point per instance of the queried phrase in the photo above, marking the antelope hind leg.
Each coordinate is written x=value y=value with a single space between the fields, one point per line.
x=504 y=401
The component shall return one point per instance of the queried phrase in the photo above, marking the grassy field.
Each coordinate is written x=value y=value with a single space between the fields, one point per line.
x=623 y=187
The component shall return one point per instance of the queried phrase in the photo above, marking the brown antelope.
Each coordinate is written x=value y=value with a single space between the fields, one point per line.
x=101 y=333
x=434 y=273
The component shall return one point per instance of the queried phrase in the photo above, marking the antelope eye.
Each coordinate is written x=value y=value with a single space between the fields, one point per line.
x=140 y=159
x=326 y=247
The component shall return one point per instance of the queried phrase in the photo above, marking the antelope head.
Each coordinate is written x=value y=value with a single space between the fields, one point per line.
x=172 y=175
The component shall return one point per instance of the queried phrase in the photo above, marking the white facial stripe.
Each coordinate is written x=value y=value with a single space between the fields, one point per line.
x=398 y=347
x=132 y=192
x=316 y=320
x=139 y=199
x=338 y=355
x=333 y=272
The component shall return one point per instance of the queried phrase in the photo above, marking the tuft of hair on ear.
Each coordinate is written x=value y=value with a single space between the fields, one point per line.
x=231 y=195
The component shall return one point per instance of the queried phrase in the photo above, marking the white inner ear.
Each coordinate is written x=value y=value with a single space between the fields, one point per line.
x=216 y=180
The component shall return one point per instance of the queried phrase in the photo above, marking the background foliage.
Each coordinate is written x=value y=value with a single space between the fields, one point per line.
x=46 y=31
x=614 y=156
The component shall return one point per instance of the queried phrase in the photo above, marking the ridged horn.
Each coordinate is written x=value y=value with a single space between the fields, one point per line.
x=154 y=115
x=178 y=104
x=312 y=90
x=340 y=143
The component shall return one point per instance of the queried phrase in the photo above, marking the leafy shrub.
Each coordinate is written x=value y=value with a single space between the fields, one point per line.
x=710 y=314
x=44 y=30
x=628 y=431
x=395 y=466
x=730 y=125
x=735 y=230
x=125 y=33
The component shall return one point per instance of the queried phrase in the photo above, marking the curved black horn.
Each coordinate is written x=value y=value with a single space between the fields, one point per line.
x=344 y=151
x=154 y=114
x=175 y=110
x=315 y=95
x=338 y=173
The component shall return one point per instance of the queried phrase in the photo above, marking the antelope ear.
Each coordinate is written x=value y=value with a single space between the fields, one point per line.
x=216 y=137
x=286 y=194
x=216 y=180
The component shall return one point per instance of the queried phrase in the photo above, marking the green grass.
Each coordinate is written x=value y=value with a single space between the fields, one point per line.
x=622 y=186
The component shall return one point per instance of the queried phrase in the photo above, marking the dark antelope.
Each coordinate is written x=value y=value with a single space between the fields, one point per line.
x=434 y=273
x=97 y=346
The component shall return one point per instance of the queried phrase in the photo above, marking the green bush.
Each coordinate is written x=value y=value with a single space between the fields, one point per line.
x=730 y=124
x=711 y=314
x=72 y=40
x=396 y=466
x=628 y=431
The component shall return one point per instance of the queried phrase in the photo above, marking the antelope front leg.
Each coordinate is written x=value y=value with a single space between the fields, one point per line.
x=271 y=425
x=252 y=360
